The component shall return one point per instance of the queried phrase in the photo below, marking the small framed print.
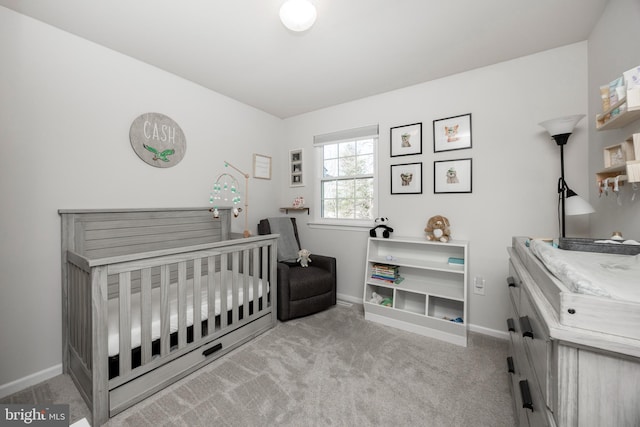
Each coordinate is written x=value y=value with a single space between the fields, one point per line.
x=296 y=168
x=452 y=133
x=261 y=166
x=452 y=176
x=406 y=140
x=406 y=178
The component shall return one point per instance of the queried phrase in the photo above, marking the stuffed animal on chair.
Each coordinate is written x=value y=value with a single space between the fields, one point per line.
x=381 y=229
x=304 y=257
x=438 y=229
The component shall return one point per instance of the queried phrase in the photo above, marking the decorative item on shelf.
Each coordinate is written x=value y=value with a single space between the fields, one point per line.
x=225 y=190
x=381 y=229
x=437 y=229
x=569 y=202
x=298 y=202
x=380 y=300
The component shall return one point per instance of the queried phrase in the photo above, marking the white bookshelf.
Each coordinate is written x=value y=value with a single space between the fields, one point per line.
x=431 y=293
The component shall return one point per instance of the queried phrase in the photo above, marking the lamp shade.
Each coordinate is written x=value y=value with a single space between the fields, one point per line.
x=562 y=125
x=576 y=205
x=298 y=15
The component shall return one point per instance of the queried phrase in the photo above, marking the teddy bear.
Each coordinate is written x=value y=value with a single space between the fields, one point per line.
x=381 y=229
x=304 y=257
x=438 y=229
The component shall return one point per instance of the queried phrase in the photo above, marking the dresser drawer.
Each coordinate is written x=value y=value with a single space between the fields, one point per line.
x=537 y=345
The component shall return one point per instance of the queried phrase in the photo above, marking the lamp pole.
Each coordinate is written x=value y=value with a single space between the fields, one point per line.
x=561 y=140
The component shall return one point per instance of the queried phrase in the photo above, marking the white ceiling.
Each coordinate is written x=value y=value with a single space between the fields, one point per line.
x=356 y=48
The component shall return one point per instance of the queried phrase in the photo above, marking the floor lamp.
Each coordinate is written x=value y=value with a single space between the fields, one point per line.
x=570 y=203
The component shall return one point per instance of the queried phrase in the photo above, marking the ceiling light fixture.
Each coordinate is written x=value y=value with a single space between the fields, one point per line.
x=298 y=15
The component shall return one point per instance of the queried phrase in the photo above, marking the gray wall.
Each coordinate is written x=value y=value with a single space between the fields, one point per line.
x=67 y=105
x=613 y=49
x=515 y=165
x=65 y=112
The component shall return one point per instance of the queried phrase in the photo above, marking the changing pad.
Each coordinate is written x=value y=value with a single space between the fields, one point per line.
x=605 y=275
x=114 y=333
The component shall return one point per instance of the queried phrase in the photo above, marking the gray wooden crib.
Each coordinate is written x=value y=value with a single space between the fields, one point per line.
x=150 y=295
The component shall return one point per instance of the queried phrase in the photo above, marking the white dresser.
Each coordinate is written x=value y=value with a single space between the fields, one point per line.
x=574 y=359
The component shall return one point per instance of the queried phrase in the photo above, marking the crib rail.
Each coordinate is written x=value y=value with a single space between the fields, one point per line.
x=237 y=270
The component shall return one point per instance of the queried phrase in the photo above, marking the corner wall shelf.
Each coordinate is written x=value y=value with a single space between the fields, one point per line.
x=291 y=208
x=622 y=119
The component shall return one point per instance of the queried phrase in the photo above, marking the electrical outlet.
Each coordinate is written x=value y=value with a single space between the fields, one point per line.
x=478 y=285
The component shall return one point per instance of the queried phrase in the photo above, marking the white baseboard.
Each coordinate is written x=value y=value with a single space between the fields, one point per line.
x=349 y=298
x=29 y=380
x=491 y=332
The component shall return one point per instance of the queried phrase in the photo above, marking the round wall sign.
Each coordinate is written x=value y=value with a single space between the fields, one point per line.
x=157 y=140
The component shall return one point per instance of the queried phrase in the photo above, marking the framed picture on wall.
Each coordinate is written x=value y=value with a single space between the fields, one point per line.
x=452 y=176
x=406 y=140
x=406 y=178
x=261 y=166
x=452 y=133
x=296 y=168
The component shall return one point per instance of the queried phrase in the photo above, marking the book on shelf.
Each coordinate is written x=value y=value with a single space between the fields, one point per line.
x=457 y=261
x=385 y=272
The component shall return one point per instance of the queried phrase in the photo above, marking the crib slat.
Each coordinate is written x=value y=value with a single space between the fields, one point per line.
x=211 y=301
x=125 y=323
x=165 y=326
x=83 y=282
x=197 y=299
x=234 y=287
x=245 y=284
x=255 y=263
x=182 y=304
x=145 y=315
x=223 y=283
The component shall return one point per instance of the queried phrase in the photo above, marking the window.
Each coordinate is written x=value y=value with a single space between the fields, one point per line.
x=347 y=165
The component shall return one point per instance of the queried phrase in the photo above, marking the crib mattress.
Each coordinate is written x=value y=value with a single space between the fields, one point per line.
x=114 y=333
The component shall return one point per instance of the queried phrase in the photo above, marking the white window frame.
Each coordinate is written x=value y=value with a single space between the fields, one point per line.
x=367 y=132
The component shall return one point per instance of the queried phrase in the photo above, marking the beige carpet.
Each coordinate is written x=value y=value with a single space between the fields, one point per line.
x=333 y=368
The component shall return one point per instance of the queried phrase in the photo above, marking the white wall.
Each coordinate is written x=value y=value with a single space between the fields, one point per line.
x=613 y=49
x=66 y=106
x=515 y=164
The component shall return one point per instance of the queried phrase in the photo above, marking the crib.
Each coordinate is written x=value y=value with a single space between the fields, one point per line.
x=151 y=295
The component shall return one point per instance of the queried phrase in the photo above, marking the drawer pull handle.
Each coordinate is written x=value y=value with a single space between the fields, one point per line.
x=511 y=282
x=571 y=311
x=525 y=325
x=510 y=367
x=510 y=325
x=527 y=403
x=210 y=351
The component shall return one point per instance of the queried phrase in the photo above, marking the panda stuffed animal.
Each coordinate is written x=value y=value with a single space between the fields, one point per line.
x=381 y=229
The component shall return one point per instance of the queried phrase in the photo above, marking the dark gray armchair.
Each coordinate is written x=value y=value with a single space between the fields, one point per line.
x=303 y=290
